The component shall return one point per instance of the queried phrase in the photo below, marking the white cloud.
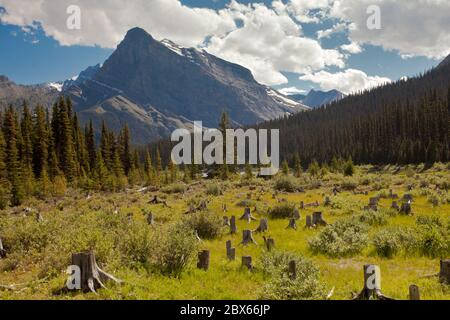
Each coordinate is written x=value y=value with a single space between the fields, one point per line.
x=269 y=43
x=348 y=81
x=291 y=91
x=339 y=27
x=352 y=48
x=413 y=27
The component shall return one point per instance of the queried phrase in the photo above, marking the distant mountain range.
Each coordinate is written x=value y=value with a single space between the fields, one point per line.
x=316 y=99
x=158 y=86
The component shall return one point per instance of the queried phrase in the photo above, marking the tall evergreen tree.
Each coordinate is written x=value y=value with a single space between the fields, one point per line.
x=40 y=142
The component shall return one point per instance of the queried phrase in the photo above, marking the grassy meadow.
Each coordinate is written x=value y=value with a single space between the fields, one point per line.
x=407 y=248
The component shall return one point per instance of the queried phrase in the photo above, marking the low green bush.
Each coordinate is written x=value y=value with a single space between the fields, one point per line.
x=287 y=184
x=391 y=241
x=208 y=225
x=283 y=211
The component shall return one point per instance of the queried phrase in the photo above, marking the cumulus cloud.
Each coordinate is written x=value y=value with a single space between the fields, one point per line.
x=352 y=48
x=413 y=27
x=348 y=81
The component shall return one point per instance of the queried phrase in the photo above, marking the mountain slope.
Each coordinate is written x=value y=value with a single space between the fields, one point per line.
x=159 y=86
x=316 y=99
x=15 y=94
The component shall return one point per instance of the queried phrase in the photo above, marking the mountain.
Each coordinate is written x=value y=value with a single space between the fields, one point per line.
x=316 y=99
x=15 y=94
x=158 y=86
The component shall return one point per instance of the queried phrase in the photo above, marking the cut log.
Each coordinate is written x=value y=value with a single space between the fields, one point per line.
x=309 y=223
x=269 y=243
x=292 y=270
x=444 y=274
x=296 y=215
x=2 y=250
x=248 y=215
x=372 y=284
x=247 y=237
x=263 y=225
x=247 y=262
x=92 y=277
x=203 y=260
x=233 y=227
x=317 y=219
x=414 y=293
x=292 y=224
x=226 y=221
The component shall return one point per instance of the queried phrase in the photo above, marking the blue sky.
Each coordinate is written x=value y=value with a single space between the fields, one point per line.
x=28 y=56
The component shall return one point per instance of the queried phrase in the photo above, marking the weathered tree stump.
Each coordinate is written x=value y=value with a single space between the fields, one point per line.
x=2 y=250
x=233 y=227
x=309 y=223
x=203 y=206
x=335 y=191
x=203 y=260
x=263 y=225
x=92 y=277
x=155 y=201
x=393 y=195
x=372 y=284
x=292 y=224
x=269 y=243
x=374 y=201
x=327 y=201
x=302 y=205
x=197 y=236
x=150 y=219
x=247 y=262
x=296 y=215
x=248 y=215
x=406 y=208
x=317 y=219
x=444 y=274
x=292 y=270
x=39 y=217
x=226 y=221
x=414 y=293
x=231 y=252
x=395 y=206
x=408 y=198
x=247 y=237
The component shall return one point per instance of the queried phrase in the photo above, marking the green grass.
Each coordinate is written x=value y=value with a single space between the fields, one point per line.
x=224 y=279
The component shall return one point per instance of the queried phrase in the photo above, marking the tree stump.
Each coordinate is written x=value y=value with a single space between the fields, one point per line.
x=406 y=208
x=226 y=221
x=248 y=215
x=296 y=214
x=263 y=225
x=327 y=201
x=39 y=217
x=2 y=250
x=309 y=223
x=197 y=236
x=444 y=274
x=373 y=201
x=203 y=260
x=372 y=284
x=92 y=277
x=292 y=224
x=270 y=243
x=247 y=262
x=233 y=227
x=302 y=205
x=317 y=219
x=408 y=198
x=224 y=208
x=247 y=237
x=292 y=270
x=202 y=206
x=231 y=252
x=414 y=293
x=150 y=219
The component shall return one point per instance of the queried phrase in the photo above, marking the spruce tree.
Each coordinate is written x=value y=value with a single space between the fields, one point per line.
x=27 y=145
x=40 y=142
x=90 y=144
x=126 y=150
x=67 y=155
x=297 y=165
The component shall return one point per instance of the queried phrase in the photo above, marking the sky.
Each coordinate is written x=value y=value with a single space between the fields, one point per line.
x=291 y=45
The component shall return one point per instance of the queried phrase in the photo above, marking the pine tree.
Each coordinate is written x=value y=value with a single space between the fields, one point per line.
x=12 y=157
x=40 y=142
x=90 y=144
x=285 y=168
x=297 y=165
x=105 y=147
x=148 y=168
x=126 y=150
x=67 y=155
x=27 y=145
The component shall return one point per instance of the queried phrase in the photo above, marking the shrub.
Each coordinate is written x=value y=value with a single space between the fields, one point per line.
x=175 y=247
x=287 y=184
x=349 y=185
x=136 y=244
x=391 y=241
x=374 y=218
x=283 y=211
x=213 y=190
x=434 y=236
x=208 y=225
x=246 y=203
x=306 y=286
x=174 y=188
x=346 y=237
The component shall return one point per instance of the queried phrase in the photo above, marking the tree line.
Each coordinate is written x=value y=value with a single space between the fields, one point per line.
x=44 y=152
